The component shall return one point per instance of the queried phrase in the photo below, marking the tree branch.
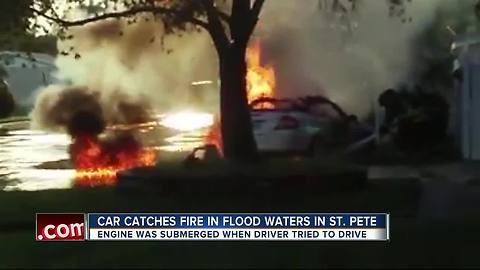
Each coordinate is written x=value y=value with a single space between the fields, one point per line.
x=257 y=7
x=215 y=27
x=240 y=15
x=122 y=14
x=244 y=20
x=199 y=22
x=255 y=12
x=224 y=16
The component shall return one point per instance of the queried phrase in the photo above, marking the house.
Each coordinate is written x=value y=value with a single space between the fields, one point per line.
x=467 y=84
x=26 y=73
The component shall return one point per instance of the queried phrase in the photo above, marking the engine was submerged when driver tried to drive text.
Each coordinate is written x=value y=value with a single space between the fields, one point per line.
x=142 y=234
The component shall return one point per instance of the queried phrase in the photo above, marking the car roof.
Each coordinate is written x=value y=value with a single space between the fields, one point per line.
x=302 y=104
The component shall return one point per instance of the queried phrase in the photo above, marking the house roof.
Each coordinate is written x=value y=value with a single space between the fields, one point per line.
x=17 y=58
x=466 y=40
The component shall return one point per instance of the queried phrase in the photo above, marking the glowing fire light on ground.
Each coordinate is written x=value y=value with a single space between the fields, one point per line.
x=97 y=163
x=186 y=121
x=260 y=79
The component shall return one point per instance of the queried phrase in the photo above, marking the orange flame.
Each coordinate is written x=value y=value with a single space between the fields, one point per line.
x=214 y=135
x=96 y=164
x=260 y=83
x=260 y=79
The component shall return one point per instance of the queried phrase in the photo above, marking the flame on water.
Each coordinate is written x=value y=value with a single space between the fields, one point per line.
x=95 y=164
x=260 y=79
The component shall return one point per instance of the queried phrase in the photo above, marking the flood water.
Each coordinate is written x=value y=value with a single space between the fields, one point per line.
x=22 y=150
x=24 y=153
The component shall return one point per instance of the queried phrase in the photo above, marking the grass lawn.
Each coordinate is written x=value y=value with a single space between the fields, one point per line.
x=17 y=210
x=410 y=247
x=412 y=244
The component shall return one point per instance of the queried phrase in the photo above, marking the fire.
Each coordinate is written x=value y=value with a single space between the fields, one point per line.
x=97 y=163
x=260 y=79
x=260 y=83
x=214 y=135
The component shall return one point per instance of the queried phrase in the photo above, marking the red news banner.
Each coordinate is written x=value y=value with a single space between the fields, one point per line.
x=214 y=226
x=55 y=227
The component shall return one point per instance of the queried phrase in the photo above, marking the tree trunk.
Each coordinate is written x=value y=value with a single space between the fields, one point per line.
x=236 y=125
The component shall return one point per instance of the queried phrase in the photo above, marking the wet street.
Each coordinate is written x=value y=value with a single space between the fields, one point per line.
x=22 y=150
x=24 y=154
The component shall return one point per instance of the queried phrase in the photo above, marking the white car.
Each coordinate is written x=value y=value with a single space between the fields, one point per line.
x=311 y=125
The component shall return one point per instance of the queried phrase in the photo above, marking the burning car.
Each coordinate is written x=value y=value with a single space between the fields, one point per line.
x=313 y=125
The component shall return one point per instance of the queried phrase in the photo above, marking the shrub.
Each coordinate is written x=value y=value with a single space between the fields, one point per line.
x=7 y=102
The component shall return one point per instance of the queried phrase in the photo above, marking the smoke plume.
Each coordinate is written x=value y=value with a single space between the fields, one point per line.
x=127 y=69
x=57 y=108
x=350 y=59
x=77 y=110
x=131 y=68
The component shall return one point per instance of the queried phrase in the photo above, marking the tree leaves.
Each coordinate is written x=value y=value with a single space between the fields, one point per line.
x=15 y=14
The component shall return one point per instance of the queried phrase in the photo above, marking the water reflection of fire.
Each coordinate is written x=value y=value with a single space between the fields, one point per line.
x=97 y=162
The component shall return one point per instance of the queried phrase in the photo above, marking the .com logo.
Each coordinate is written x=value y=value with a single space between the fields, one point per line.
x=60 y=227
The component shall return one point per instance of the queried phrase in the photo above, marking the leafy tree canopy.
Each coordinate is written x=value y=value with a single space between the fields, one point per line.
x=14 y=18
